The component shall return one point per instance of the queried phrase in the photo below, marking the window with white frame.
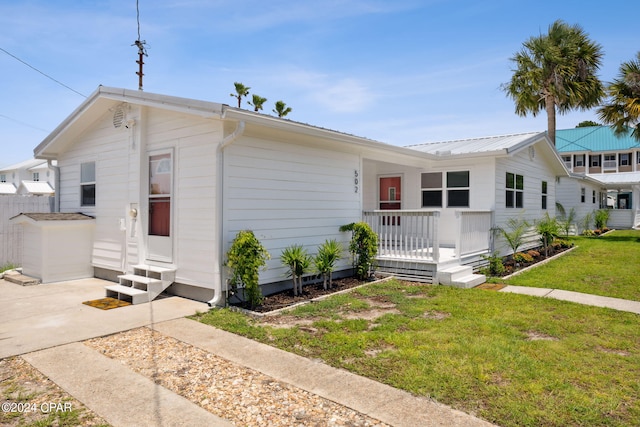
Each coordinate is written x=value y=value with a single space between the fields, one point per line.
x=578 y=160
x=625 y=159
x=609 y=161
x=514 y=194
x=594 y=161
x=36 y=176
x=88 y=184
x=456 y=185
x=431 y=190
x=583 y=194
x=638 y=157
x=3 y=178
x=544 y=195
x=567 y=161
x=458 y=189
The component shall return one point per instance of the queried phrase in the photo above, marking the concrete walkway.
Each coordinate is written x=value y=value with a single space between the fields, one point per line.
x=580 y=298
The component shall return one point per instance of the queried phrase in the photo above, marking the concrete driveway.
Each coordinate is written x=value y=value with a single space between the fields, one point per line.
x=43 y=316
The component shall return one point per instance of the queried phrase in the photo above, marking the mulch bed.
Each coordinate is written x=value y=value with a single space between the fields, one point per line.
x=286 y=298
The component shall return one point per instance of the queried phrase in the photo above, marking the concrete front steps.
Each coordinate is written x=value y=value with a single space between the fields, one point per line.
x=143 y=285
x=460 y=276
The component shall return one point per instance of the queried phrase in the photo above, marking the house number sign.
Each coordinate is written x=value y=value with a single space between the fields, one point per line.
x=356 y=181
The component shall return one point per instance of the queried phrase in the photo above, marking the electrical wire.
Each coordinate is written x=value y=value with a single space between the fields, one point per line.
x=23 y=123
x=44 y=74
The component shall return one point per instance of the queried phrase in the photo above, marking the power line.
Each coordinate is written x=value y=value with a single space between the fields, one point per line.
x=44 y=74
x=23 y=123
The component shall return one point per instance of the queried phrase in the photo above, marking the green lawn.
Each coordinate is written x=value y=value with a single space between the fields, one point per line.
x=514 y=360
x=606 y=265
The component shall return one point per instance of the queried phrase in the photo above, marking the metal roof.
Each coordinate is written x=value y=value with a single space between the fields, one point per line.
x=7 y=188
x=485 y=145
x=593 y=138
x=36 y=187
x=618 y=178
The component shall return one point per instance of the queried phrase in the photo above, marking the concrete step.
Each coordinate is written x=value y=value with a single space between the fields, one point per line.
x=470 y=281
x=452 y=274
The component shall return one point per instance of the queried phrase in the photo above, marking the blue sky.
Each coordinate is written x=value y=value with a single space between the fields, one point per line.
x=401 y=71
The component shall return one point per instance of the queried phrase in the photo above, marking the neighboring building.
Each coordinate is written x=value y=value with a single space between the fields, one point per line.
x=170 y=182
x=31 y=177
x=612 y=165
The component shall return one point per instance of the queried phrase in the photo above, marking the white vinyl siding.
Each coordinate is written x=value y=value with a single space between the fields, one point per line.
x=289 y=194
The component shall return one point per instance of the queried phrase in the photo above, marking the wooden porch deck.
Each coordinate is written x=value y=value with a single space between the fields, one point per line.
x=409 y=242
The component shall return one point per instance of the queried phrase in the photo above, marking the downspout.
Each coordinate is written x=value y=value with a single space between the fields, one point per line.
x=56 y=178
x=226 y=141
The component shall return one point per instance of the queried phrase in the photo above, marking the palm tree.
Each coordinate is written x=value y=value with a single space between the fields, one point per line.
x=241 y=90
x=257 y=102
x=623 y=107
x=556 y=72
x=281 y=109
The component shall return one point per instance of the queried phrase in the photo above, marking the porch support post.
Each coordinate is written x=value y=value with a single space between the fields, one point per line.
x=436 y=239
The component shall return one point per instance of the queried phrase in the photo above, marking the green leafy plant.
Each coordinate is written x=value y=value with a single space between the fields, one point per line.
x=514 y=233
x=600 y=218
x=566 y=220
x=245 y=258
x=296 y=258
x=328 y=254
x=548 y=229
x=363 y=248
x=585 y=222
x=495 y=267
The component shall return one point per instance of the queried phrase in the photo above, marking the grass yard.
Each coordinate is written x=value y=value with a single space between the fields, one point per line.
x=606 y=265
x=514 y=360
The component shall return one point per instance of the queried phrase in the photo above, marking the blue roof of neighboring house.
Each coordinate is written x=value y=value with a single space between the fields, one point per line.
x=593 y=138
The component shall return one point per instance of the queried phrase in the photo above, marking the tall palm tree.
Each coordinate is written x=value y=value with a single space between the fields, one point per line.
x=241 y=90
x=623 y=107
x=281 y=109
x=556 y=72
x=257 y=102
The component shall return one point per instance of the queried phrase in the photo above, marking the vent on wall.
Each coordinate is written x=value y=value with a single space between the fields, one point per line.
x=119 y=117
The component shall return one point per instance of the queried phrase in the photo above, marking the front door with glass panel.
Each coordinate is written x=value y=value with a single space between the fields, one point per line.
x=390 y=197
x=159 y=233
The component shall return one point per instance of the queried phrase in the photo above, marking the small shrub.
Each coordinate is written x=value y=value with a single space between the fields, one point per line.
x=600 y=218
x=533 y=253
x=495 y=267
x=363 y=247
x=328 y=254
x=296 y=258
x=588 y=233
x=245 y=258
x=521 y=257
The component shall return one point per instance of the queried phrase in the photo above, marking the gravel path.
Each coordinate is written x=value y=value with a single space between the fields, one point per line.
x=238 y=394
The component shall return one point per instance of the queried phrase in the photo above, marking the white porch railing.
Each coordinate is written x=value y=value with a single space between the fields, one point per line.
x=473 y=232
x=410 y=234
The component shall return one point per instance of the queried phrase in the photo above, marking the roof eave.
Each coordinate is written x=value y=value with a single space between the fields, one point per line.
x=310 y=130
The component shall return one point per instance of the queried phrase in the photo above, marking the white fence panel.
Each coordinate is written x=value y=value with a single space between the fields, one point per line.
x=11 y=234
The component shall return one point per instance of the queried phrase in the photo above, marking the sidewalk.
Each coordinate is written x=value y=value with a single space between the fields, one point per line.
x=577 y=297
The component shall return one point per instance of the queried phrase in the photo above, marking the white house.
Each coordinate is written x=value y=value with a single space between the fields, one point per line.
x=170 y=182
x=31 y=177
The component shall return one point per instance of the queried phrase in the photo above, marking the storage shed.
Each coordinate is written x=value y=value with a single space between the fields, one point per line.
x=56 y=246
